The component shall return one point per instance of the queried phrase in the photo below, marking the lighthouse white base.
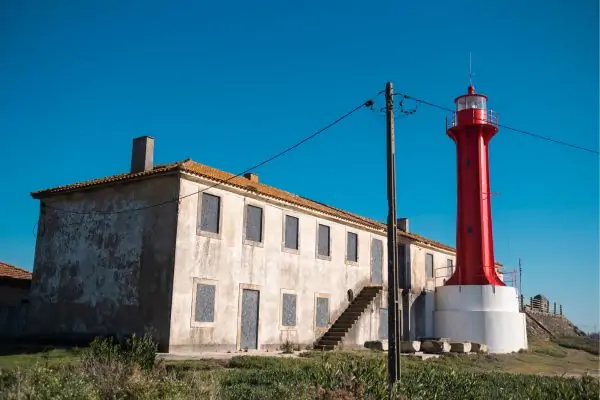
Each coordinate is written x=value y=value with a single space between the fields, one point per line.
x=482 y=314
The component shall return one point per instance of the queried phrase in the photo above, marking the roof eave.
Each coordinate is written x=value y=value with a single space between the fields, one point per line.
x=61 y=190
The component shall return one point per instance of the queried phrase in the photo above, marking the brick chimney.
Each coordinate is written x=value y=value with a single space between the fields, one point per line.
x=251 y=177
x=403 y=224
x=142 y=154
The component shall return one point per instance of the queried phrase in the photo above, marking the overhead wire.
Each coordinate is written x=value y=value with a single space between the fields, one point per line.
x=368 y=104
x=510 y=128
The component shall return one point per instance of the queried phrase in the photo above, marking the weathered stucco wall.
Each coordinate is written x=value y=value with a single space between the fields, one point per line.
x=12 y=293
x=106 y=273
x=420 y=279
x=232 y=264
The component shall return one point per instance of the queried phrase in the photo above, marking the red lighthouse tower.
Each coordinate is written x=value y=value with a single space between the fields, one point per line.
x=471 y=129
x=475 y=305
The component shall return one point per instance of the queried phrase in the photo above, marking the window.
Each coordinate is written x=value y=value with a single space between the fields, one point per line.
x=403 y=279
x=323 y=241
x=322 y=314
x=290 y=239
x=450 y=267
x=471 y=102
x=205 y=303
x=254 y=223
x=383 y=324
x=210 y=213
x=288 y=309
x=376 y=262
x=352 y=247
x=429 y=265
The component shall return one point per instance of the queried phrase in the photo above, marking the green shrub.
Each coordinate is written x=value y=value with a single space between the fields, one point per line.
x=140 y=351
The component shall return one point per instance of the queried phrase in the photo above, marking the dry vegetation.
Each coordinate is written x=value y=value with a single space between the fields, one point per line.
x=110 y=371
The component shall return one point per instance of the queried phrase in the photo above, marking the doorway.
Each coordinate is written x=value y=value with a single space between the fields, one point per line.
x=249 y=319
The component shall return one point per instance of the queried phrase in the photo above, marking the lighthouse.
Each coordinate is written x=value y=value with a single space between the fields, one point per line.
x=474 y=304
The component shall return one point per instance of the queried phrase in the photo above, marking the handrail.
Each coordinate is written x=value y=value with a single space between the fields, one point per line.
x=491 y=118
x=508 y=276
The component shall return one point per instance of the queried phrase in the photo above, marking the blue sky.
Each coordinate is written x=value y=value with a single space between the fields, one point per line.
x=229 y=84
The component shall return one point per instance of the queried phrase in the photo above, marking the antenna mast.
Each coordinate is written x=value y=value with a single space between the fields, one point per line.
x=470 y=71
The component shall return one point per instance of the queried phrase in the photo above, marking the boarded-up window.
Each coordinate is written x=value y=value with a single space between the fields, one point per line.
x=322 y=312
x=254 y=222
x=291 y=232
x=210 y=213
x=383 y=324
x=352 y=247
x=323 y=241
x=376 y=262
x=429 y=265
x=403 y=279
x=288 y=310
x=205 y=303
x=450 y=267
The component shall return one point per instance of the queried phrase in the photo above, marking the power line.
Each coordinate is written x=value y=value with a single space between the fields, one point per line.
x=546 y=138
x=369 y=104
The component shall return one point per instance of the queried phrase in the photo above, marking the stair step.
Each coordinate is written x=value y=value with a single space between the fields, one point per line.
x=340 y=329
x=346 y=322
x=351 y=312
x=348 y=318
x=361 y=302
x=335 y=334
x=359 y=309
x=345 y=318
x=368 y=293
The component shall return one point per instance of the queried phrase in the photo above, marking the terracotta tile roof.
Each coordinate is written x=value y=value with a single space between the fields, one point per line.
x=194 y=168
x=159 y=169
x=9 y=271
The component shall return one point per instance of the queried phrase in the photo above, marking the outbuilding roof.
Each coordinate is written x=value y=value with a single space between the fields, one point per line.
x=12 y=272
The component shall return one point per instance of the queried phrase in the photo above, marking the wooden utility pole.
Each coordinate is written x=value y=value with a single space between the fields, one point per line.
x=520 y=287
x=392 y=242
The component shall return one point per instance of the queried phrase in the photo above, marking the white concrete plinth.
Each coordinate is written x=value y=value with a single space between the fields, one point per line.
x=482 y=314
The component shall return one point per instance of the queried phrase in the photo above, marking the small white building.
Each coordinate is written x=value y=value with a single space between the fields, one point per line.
x=209 y=261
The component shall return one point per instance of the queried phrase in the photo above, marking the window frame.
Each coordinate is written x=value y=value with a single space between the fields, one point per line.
x=349 y=261
x=281 y=296
x=195 y=283
x=318 y=255
x=199 y=231
x=252 y=242
x=284 y=226
x=379 y=335
x=324 y=296
x=432 y=277
x=449 y=267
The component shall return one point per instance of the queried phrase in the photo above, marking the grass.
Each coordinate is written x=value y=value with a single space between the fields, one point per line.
x=109 y=371
x=585 y=343
x=23 y=356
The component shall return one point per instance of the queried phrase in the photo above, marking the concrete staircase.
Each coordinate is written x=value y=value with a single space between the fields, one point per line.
x=348 y=318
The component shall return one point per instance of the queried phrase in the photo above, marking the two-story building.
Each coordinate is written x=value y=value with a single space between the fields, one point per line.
x=211 y=261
